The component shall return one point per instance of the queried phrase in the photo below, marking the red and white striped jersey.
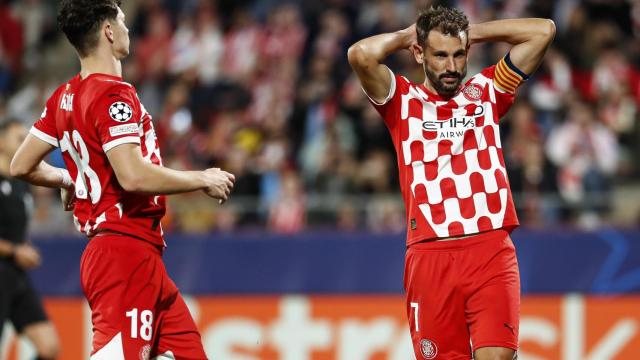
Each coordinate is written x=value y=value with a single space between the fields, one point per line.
x=86 y=118
x=452 y=172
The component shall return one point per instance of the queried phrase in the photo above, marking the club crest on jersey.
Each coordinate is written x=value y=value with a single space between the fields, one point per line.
x=120 y=111
x=429 y=349
x=145 y=352
x=473 y=92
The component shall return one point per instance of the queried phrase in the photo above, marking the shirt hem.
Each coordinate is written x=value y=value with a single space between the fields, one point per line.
x=509 y=227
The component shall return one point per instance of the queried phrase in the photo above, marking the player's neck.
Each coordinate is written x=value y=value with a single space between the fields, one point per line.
x=96 y=64
x=427 y=84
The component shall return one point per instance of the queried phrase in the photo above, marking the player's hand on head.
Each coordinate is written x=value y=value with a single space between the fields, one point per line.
x=26 y=256
x=68 y=197
x=411 y=30
x=219 y=183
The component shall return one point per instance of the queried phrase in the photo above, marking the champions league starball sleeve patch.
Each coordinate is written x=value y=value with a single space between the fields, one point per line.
x=120 y=111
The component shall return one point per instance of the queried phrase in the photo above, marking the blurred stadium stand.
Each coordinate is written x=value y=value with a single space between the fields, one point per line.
x=262 y=88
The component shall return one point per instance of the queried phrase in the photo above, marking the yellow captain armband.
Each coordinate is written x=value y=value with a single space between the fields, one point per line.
x=507 y=76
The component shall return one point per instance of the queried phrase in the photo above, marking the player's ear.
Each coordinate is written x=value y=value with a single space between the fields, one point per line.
x=418 y=53
x=108 y=30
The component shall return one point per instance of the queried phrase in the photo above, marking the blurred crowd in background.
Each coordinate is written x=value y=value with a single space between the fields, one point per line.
x=263 y=89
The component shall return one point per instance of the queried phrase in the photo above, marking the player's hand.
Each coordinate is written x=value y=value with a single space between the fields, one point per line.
x=411 y=37
x=219 y=184
x=68 y=197
x=26 y=256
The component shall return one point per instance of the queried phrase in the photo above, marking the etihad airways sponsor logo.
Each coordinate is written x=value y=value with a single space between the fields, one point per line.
x=455 y=126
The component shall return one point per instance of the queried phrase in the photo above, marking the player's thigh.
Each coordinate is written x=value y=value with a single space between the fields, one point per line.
x=178 y=334
x=493 y=309
x=494 y=353
x=435 y=307
x=123 y=283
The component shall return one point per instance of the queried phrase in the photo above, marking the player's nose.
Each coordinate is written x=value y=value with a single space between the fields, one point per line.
x=451 y=65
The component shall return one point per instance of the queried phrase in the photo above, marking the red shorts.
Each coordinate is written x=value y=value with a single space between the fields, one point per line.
x=136 y=309
x=462 y=295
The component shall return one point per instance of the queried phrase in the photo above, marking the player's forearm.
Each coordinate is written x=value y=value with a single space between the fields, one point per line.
x=530 y=39
x=158 y=180
x=42 y=174
x=512 y=31
x=373 y=50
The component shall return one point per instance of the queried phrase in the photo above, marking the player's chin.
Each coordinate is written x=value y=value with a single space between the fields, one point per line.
x=449 y=88
x=123 y=53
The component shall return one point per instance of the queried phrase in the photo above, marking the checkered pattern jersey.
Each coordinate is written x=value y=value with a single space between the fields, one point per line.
x=452 y=172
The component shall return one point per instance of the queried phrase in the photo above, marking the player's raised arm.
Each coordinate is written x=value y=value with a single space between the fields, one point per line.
x=530 y=39
x=366 y=56
x=27 y=165
x=137 y=175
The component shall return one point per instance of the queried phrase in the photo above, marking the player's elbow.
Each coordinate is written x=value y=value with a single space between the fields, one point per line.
x=131 y=182
x=548 y=29
x=18 y=169
x=356 y=55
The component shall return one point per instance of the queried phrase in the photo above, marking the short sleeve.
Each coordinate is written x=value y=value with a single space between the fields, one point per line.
x=506 y=79
x=389 y=109
x=117 y=115
x=45 y=128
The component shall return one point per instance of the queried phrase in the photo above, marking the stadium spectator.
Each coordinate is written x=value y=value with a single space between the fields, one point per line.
x=586 y=153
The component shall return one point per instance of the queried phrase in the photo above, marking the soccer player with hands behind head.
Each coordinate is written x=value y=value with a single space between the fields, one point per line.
x=114 y=167
x=461 y=272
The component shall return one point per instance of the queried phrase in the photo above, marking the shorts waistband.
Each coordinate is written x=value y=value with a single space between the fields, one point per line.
x=467 y=242
x=115 y=238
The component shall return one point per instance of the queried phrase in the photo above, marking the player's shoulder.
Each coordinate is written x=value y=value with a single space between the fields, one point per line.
x=105 y=91
x=65 y=86
x=111 y=87
x=478 y=87
x=402 y=80
x=484 y=76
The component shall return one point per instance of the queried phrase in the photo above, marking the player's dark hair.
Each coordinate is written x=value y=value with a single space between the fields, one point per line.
x=5 y=125
x=448 y=21
x=80 y=21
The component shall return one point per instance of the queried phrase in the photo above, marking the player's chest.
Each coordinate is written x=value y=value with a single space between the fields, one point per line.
x=439 y=121
x=434 y=119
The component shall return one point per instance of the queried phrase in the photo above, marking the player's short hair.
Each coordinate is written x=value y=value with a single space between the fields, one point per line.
x=80 y=21
x=448 y=21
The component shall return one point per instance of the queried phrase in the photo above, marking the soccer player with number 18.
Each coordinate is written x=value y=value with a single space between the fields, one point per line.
x=461 y=272
x=115 y=171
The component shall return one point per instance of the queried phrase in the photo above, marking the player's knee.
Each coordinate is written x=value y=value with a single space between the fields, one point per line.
x=44 y=338
x=47 y=348
x=49 y=351
x=495 y=353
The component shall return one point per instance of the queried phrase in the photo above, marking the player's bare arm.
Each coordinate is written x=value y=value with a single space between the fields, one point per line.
x=28 y=165
x=136 y=175
x=366 y=56
x=530 y=39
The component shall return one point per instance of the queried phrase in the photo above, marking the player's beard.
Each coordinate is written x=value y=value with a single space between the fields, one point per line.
x=446 y=89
